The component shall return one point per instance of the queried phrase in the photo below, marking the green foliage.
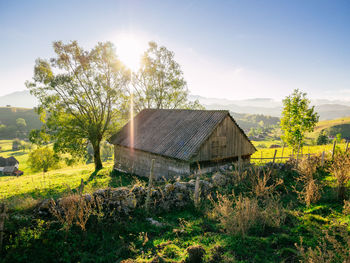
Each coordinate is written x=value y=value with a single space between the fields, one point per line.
x=16 y=145
x=322 y=139
x=81 y=95
x=297 y=119
x=338 y=137
x=159 y=83
x=43 y=159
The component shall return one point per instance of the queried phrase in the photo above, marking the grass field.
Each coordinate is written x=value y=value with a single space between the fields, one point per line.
x=287 y=151
x=25 y=191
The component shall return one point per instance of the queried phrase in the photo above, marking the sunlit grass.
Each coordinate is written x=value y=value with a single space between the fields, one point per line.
x=269 y=153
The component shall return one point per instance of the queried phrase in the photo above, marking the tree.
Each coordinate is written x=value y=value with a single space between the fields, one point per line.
x=82 y=96
x=297 y=118
x=21 y=126
x=16 y=144
x=159 y=83
x=42 y=159
x=338 y=137
x=322 y=138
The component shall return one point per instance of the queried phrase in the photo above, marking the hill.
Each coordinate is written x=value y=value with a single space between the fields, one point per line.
x=328 y=124
x=8 y=117
x=19 y=99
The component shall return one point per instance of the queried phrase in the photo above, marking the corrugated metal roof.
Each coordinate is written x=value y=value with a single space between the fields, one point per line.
x=172 y=133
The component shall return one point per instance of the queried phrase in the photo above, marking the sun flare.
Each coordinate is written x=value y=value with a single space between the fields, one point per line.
x=130 y=49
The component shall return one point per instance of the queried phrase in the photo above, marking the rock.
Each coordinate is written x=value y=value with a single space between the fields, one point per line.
x=219 y=179
x=43 y=208
x=154 y=222
x=180 y=186
x=140 y=194
x=169 y=188
x=195 y=254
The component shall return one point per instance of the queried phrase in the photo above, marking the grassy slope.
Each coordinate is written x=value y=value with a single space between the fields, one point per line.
x=8 y=116
x=26 y=190
x=327 y=124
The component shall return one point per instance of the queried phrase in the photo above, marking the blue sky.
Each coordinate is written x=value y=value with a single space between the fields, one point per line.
x=227 y=49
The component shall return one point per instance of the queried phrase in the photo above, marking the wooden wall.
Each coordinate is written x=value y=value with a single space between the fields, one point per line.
x=139 y=162
x=226 y=141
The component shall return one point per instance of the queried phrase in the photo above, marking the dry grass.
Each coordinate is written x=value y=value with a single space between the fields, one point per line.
x=263 y=183
x=311 y=189
x=340 y=169
x=346 y=208
x=75 y=208
x=334 y=246
x=238 y=214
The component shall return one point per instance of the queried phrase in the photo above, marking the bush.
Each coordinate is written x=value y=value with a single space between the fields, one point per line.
x=238 y=215
x=340 y=169
x=309 y=190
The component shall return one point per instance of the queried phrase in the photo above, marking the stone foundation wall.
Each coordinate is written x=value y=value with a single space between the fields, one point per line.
x=139 y=162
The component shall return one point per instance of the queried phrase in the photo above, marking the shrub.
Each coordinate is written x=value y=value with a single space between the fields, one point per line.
x=43 y=159
x=240 y=214
x=75 y=208
x=340 y=169
x=265 y=185
x=310 y=187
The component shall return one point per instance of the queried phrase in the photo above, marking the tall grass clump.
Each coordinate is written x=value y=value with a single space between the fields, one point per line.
x=75 y=208
x=240 y=214
x=308 y=187
x=340 y=169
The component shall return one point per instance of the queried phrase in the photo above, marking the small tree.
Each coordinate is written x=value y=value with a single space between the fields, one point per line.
x=43 y=159
x=322 y=138
x=297 y=118
x=21 y=126
x=16 y=144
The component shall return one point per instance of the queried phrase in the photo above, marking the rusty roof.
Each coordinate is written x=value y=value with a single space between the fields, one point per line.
x=171 y=133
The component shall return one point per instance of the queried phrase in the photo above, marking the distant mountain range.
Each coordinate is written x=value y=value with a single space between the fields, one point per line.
x=328 y=109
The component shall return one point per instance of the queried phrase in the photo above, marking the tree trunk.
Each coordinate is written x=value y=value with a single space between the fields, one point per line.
x=97 y=156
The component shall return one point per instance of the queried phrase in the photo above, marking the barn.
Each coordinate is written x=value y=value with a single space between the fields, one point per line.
x=178 y=140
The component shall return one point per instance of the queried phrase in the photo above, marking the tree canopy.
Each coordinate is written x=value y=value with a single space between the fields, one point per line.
x=159 y=83
x=297 y=118
x=82 y=96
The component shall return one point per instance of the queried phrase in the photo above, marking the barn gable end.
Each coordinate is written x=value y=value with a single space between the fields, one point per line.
x=226 y=141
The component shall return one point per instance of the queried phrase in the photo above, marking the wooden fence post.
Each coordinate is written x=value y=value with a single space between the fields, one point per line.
x=274 y=156
x=150 y=184
x=322 y=160
x=3 y=216
x=347 y=146
x=335 y=142
x=196 y=188
x=282 y=152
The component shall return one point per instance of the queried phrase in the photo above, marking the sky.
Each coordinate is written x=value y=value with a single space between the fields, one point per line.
x=227 y=49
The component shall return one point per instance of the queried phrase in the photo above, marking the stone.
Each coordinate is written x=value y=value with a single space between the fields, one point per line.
x=219 y=179
x=154 y=222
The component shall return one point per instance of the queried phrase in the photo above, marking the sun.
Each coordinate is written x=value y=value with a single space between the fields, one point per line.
x=129 y=50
